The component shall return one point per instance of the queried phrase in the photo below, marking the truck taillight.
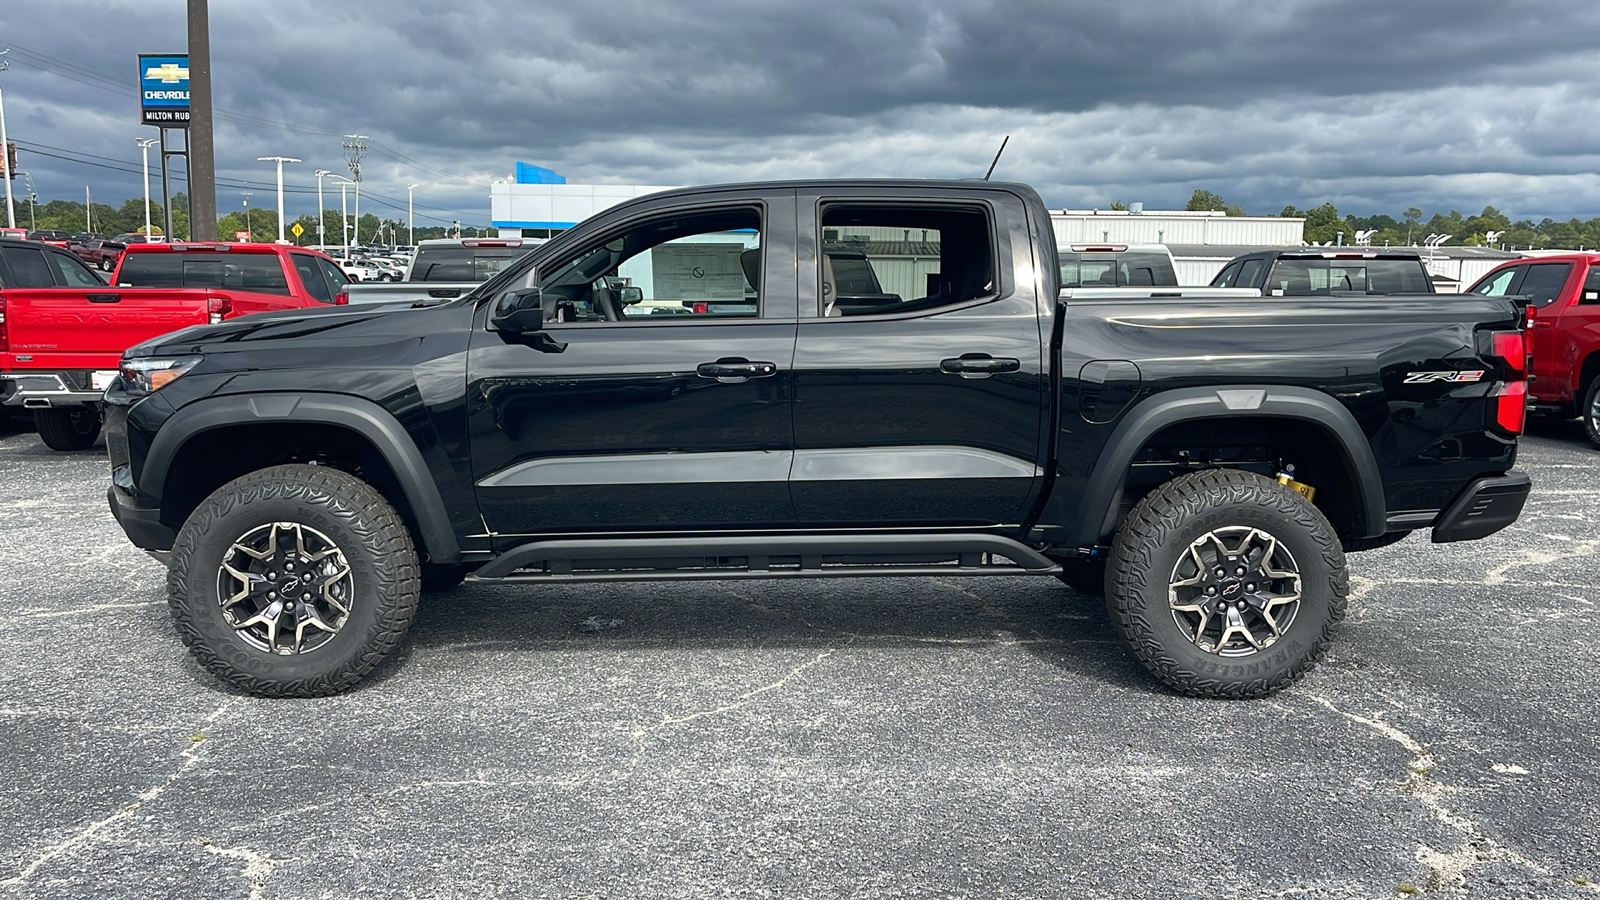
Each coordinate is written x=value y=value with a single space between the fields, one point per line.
x=1511 y=395
x=5 y=341
x=342 y=298
x=218 y=308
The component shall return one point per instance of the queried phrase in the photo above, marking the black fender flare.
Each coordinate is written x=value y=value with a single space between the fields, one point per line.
x=360 y=415
x=1167 y=408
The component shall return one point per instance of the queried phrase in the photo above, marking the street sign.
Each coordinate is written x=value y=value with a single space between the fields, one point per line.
x=241 y=235
x=164 y=89
x=297 y=229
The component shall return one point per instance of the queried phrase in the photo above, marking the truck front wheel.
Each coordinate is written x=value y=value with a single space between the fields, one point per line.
x=293 y=581
x=1226 y=584
x=68 y=427
x=1591 y=412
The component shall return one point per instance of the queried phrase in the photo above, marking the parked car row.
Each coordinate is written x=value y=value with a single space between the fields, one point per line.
x=63 y=329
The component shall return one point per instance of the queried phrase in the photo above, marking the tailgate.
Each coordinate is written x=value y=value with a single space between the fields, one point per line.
x=72 y=328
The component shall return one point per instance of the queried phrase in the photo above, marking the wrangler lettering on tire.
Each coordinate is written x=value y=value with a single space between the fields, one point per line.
x=1226 y=584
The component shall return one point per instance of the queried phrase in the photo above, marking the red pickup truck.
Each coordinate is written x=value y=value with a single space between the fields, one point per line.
x=63 y=329
x=1563 y=294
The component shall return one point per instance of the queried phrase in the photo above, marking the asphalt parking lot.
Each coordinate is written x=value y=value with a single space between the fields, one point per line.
x=886 y=738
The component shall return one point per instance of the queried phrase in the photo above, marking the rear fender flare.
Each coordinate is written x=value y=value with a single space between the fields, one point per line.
x=362 y=416
x=1168 y=408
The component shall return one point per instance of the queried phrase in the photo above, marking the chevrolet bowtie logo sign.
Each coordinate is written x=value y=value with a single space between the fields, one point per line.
x=164 y=90
x=170 y=73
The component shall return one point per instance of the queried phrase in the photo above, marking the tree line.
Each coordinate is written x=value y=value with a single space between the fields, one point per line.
x=261 y=223
x=1325 y=225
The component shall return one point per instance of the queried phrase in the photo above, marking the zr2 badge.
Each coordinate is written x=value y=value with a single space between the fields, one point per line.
x=1449 y=377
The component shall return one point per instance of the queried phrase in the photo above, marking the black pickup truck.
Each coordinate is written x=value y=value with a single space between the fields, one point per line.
x=1327 y=271
x=1205 y=465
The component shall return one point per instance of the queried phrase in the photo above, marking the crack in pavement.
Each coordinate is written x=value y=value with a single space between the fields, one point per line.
x=258 y=867
x=191 y=758
x=640 y=735
x=1447 y=868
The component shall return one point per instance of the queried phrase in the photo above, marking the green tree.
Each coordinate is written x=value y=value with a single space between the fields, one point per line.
x=1205 y=200
x=1323 y=224
x=1413 y=216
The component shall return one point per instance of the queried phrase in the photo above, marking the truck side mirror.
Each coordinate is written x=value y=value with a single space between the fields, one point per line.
x=518 y=312
x=628 y=296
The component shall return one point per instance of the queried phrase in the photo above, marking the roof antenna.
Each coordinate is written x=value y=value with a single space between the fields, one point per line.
x=996 y=158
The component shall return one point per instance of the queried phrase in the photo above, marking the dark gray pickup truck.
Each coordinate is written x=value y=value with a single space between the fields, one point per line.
x=1205 y=464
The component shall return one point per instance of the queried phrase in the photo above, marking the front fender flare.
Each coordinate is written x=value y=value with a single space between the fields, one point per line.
x=362 y=416
x=1168 y=408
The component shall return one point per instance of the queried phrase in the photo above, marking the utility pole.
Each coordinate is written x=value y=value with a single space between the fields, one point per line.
x=411 y=220
x=280 y=160
x=355 y=147
x=322 y=241
x=247 y=229
x=144 y=147
x=201 y=162
x=5 y=147
x=88 y=216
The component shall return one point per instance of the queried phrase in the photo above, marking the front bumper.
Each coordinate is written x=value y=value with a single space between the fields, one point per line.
x=143 y=525
x=1483 y=507
x=43 y=390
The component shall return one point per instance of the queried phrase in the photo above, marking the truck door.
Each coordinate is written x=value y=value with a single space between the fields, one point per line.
x=920 y=398
x=1578 y=332
x=657 y=395
x=1542 y=284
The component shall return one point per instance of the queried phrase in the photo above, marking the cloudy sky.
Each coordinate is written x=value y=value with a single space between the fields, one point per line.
x=1375 y=105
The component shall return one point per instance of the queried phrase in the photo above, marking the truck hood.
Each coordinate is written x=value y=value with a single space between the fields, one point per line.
x=321 y=325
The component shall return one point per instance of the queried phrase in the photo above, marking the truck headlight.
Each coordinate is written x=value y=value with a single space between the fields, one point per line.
x=146 y=375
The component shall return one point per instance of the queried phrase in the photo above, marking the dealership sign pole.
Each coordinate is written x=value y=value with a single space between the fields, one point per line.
x=164 y=103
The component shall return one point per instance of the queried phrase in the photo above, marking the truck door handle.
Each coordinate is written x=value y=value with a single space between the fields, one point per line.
x=978 y=365
x=103 y=298
x=1541 y=323
x=735 y=369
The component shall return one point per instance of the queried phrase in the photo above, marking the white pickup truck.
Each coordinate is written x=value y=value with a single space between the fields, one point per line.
x=446 y=269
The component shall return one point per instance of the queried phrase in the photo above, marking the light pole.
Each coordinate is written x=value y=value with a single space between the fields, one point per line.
x=32 y=200
x=247 y=229
x=322 y=241
x=344 y=211
x=144 y=147
x=5 y=147
x=280 y=160
x=411 y=219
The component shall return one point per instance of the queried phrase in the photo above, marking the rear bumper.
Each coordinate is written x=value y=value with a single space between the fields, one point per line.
x=42 y=390
x=1483 y=507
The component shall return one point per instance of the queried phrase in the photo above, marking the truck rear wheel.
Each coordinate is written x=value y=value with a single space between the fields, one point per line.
x=293 y=581
x=1226 y=584
x=68 y=427
x=1591 y=412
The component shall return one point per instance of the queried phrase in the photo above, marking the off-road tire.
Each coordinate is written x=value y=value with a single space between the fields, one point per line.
x=358 y=521
x=68 y=427
x=1086 y=576
x=1159 y=531
x=1356 y=545
x=1590 y=412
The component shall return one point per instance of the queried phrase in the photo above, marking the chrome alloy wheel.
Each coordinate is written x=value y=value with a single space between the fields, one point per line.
x=1234 y=591
x=285 y=588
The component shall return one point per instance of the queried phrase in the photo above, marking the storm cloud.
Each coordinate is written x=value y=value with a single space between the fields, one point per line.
x=1375 y=106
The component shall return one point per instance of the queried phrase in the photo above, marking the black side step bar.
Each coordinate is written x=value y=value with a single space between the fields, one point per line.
x=792 y=556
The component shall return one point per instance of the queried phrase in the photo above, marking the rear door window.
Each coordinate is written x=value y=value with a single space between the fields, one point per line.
x=462 y=264
x=1543 y=282
x=1591 y=286
x=335 y=276
x=1249 y=270
x=1228 y=276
